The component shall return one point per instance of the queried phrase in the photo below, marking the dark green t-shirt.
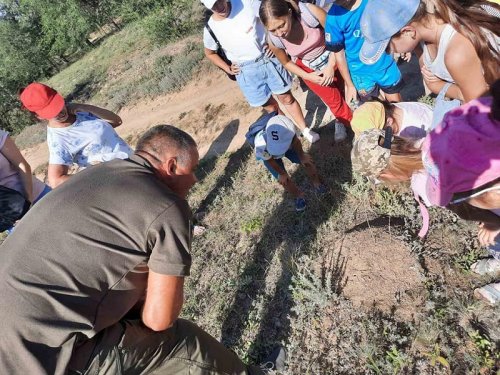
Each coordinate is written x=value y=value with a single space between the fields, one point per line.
x=79 y=260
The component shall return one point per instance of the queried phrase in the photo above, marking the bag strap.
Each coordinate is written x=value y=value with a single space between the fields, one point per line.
x=443 y=91
x=278 y=43
x=309 y=18
x=424 y=212
x=212 y=34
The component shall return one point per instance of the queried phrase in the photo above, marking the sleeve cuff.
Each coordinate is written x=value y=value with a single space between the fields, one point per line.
x=170 y=269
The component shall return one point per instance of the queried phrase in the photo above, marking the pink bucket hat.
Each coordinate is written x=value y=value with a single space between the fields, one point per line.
x=463 y=152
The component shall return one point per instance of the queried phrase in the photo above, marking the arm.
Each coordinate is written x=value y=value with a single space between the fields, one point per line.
x=16 y=159
x=57 y=174
x=218 y=62
x=466 y=69
x=277 y=167
x=289 y=65
x=350 y=90
x=471 y=213
x=104 y=114
x=164 y=299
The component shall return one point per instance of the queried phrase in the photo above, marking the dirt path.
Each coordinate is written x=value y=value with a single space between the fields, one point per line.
x=211 y=108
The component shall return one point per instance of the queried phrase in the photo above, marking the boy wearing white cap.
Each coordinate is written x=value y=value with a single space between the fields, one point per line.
x=236 y=29
x=277 y=140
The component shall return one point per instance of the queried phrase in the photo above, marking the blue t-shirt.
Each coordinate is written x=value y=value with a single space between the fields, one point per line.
x=343 y=31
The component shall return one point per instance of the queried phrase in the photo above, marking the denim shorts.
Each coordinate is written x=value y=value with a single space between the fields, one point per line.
x=368 y=84
x=290 y=155
x=259 y=79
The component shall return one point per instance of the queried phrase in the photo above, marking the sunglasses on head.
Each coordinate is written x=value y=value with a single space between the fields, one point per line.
x=385 y=141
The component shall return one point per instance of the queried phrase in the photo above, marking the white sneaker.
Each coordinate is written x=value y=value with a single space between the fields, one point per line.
x=310 y=136
x=340 y=132
x=489 y=293
x=489 y=266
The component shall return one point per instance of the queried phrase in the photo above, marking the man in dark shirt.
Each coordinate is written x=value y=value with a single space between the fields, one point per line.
x=113 y=237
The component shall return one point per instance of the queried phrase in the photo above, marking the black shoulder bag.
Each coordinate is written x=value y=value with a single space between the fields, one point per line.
x=221 y=52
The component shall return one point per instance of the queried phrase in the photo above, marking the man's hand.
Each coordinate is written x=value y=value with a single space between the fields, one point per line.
x=487 y=233
x=351 y=94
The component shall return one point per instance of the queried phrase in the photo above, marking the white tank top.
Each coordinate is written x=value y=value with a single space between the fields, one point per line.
x=438 y=67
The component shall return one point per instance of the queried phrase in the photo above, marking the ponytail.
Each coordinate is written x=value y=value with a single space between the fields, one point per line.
x=469 y=18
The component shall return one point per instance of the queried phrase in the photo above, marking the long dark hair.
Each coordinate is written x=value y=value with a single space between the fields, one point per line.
x=277 y=8
x=469 y=18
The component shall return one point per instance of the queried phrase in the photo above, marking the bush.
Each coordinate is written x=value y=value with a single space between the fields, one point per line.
x=173 y=21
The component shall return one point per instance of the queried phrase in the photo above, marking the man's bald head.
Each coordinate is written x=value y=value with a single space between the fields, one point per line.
x=162 y=140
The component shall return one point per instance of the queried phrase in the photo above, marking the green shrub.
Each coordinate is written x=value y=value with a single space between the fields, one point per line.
x=173 y=21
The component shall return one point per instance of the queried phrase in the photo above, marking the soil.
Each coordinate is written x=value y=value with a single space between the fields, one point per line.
x=381 y=272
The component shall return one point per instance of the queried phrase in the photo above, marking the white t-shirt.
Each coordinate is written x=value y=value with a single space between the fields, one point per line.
x=89 y=140
x=417 y=119
x=241 y=35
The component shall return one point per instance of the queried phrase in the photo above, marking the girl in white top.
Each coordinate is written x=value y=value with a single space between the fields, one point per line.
x=407 y=119
x=456 y=44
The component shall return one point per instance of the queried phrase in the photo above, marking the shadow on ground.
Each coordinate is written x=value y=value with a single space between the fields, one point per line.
x=294 y=233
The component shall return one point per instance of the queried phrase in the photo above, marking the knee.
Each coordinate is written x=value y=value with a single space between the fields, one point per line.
x=286 y=99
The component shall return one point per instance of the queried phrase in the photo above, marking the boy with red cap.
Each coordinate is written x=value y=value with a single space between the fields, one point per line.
x=76 y=133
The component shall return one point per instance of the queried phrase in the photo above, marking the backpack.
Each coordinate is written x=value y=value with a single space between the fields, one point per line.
x=13 y=206
x=306 y=15
x=220 y=52
x=257 y=126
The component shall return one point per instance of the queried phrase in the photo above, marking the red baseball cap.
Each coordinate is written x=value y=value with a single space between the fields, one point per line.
x=43 y=100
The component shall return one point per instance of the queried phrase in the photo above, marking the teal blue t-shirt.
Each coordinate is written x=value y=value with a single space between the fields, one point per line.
x=343 y=31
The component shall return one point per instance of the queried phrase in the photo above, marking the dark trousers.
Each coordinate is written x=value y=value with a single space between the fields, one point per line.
x=129 y=347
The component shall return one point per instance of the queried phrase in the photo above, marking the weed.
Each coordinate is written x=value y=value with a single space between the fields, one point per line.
x=427 y=99
x=436 y=357
x=396 y=359
x=488 y=352
x=252 y=225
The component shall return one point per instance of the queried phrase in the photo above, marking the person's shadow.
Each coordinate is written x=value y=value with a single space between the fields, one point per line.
x=293 y=234
x=316 y=109
x=218 y=147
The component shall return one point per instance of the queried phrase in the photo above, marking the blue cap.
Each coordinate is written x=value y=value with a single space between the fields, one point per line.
x=381 y=20
x=280 y=131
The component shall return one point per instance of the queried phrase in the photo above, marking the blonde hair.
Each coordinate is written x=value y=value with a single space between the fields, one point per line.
x=405 y=160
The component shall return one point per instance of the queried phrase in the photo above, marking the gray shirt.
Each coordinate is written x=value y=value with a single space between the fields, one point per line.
x=79 y=260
